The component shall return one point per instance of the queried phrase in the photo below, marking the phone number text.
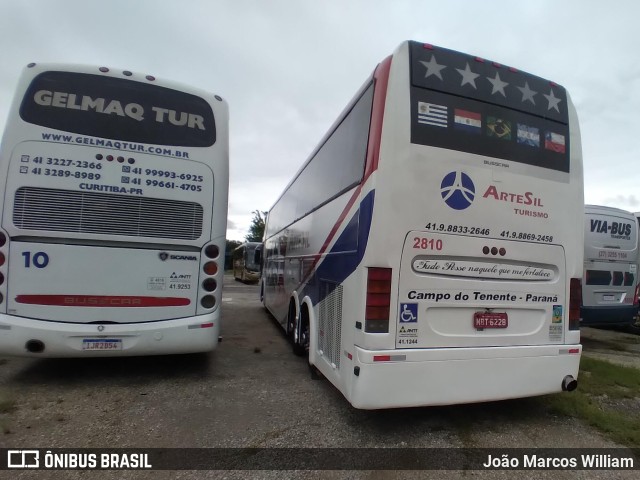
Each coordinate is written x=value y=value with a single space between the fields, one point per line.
x=173 y=185
x=462 y=229
x=533 y=237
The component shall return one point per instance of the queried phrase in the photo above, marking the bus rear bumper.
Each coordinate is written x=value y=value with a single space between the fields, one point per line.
x=27 y=337
x=603 y=316
x=412 y=378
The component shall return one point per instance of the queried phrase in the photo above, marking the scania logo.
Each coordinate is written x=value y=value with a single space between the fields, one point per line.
x=457 y=190
x=164 y=256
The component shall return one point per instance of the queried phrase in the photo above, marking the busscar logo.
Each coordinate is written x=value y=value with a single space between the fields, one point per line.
x=457 y=190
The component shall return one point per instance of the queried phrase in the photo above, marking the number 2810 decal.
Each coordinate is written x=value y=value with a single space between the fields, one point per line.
x=423 y=243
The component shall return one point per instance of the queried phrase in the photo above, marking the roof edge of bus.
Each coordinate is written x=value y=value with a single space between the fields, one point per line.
x=133 y=75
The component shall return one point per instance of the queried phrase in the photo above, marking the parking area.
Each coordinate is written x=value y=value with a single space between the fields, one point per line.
x=253 y=392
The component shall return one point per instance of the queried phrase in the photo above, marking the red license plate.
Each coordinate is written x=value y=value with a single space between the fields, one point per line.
x=490 y=320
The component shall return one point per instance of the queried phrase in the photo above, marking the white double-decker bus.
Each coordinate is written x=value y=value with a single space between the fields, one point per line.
x=114 y=212
x=430 y=249
x=610 y=282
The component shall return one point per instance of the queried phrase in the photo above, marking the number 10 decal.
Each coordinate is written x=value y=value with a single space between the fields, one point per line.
x=39 y=259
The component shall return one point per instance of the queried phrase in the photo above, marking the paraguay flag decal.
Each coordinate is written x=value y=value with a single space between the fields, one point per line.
x=470 y=122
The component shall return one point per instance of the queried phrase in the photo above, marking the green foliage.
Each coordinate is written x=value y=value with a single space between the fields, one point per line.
x=231 y=245
x=606 y=398
x=256 y=230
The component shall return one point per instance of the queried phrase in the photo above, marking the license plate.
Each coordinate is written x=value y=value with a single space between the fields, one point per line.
x=608 y=298
x=102 y=344
x=490 y=320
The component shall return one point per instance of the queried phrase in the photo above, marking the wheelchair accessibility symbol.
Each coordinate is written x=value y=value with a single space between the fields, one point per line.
x=408 y=312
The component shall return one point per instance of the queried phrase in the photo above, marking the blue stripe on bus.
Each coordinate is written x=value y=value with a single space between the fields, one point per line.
x=345 y=255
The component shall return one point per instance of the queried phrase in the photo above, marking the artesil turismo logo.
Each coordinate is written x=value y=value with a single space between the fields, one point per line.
x=457 y=190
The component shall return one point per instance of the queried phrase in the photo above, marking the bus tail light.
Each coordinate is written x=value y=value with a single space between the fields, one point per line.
x=208 y=301
x=629 y=279
x=209 y=285
x=575 y=302
x=636 y=295
x=378 y=307
x=212 y=251
x=210 y=268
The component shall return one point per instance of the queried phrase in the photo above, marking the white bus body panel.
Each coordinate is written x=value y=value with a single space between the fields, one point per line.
x=459 y=375
x=72 y=287
x=439 y=294
x=184 y=335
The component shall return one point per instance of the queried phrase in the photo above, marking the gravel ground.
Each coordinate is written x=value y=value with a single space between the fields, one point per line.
x=253 y=392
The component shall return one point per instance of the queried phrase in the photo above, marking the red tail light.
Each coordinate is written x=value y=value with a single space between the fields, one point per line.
x=628 y=279
x=575 y=302
x=636 y=295
x=378 y=300
x=210 y=268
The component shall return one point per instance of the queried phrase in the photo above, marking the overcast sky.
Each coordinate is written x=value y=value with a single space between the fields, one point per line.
x=288 y=67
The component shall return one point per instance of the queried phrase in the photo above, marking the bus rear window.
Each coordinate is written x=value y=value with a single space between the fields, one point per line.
x=118 y=109
x=464 y=103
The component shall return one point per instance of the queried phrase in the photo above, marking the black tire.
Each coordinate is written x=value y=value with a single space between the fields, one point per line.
x=301 y=340
x=291 y=320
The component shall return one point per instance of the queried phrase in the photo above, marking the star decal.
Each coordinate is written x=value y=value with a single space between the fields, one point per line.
x=527 y=93
x=433 y=68
x=498 y=85
x=468 y=76
x=553 y=101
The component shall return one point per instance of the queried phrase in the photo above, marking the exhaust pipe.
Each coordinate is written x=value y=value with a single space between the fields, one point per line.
x=569 y=384
x=34 y=346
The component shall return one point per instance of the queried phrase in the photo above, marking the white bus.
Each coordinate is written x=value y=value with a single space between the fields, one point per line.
x=430 y=249
x=245 y=267
x=114 y=213
x=610 y=281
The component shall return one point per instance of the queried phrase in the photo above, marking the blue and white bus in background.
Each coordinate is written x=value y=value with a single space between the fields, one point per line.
x=610 y=281
x=113 y=215
x=430 y=249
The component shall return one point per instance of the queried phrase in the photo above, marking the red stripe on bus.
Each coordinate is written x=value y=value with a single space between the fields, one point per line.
x=113 y=301
x=381 y=79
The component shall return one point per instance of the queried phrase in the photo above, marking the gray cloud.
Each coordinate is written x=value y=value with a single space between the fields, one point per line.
x=288 y=68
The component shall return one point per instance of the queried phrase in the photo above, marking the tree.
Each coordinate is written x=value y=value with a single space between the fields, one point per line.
x=256 y=230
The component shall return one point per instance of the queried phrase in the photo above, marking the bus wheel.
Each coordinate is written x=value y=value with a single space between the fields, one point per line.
x=291 y=320
x=301 y=340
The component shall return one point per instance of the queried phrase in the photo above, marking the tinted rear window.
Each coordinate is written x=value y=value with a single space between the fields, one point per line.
x=118 y=109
